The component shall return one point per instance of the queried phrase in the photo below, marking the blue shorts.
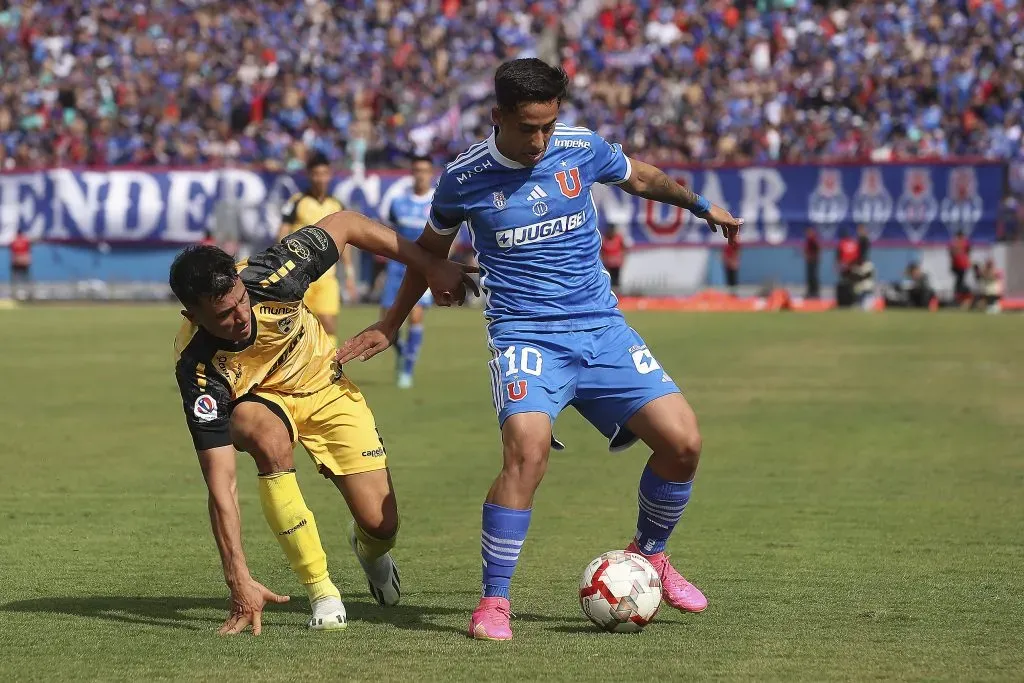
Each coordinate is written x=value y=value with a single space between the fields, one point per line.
x=390 y=293
x=607 y=374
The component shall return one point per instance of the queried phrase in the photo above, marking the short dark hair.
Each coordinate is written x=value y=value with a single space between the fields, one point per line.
x=317 y=159
x=521 y=81
x=418 y=158
x=202 y=271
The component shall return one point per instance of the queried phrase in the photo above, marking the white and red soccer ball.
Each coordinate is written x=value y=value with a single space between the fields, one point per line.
x=620 y=592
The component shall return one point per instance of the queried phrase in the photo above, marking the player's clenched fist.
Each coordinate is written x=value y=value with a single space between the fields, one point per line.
x=248 y=598
x=450 y=282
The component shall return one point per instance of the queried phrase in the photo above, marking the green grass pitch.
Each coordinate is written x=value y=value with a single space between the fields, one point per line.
x=859 y=511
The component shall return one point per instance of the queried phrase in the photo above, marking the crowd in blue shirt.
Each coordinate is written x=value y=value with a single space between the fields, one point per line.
x=366 y=82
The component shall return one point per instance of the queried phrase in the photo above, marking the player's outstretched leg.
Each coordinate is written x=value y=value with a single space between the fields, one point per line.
x=526 y=441
x=374 y=532
x=258 y=431
x=669 y=426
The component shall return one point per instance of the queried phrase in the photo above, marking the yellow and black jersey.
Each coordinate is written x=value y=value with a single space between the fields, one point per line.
x=287 y=352
x=305 y=209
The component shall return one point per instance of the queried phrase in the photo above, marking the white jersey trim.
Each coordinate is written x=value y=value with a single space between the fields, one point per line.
x=472 y=150
x=492 y=147
x=439 y=230
x=629 y=172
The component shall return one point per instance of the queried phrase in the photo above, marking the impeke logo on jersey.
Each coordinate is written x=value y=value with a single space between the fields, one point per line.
x=205 y=408
x=538 y=232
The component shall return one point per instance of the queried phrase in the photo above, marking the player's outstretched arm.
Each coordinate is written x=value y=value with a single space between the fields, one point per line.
x=248 y=596
x=448 y=281
x=379 y=336
x=652 y=183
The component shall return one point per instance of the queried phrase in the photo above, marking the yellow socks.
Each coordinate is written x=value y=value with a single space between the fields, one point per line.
x=370 y=547
x=295 y=529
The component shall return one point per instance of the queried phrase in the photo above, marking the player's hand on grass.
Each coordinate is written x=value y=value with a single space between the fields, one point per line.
x=730 y=225
x=366 y=344
x=450 y=282
x=248 y=598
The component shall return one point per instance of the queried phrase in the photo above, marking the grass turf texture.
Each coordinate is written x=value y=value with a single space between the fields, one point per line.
x=857 y=515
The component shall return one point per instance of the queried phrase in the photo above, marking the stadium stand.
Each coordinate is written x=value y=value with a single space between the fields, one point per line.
x=186 y=82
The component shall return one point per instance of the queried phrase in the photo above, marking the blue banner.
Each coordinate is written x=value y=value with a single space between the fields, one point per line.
x=898 y=203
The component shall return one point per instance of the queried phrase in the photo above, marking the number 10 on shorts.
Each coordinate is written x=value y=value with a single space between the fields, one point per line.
x=507 y=383
x=530 y=361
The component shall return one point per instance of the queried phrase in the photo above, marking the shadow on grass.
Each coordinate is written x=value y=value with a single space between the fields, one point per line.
x=179 y=612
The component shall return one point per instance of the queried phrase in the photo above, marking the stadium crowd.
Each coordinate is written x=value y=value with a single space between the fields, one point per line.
x=177 y=82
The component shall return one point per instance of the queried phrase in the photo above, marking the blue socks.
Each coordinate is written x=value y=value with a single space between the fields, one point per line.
x=501 y=539
x=411 y=348
x=661 y=505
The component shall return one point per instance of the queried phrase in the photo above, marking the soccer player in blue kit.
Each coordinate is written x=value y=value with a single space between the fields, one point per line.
x=407 y=214
x=555 y=332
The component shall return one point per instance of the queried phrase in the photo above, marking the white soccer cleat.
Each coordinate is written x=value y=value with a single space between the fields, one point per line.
x=328 y=615
x=404 y=380
x=381 y=574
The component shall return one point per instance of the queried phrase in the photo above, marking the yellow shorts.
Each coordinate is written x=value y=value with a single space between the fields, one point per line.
x=334 y=425
x=324 y=295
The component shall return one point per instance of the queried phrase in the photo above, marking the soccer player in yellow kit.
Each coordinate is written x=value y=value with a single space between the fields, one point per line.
x=255 y=371
x=306 y=208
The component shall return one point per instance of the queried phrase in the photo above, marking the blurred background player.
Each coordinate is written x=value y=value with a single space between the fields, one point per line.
x=731 y=263
x=408 y=215
x=21 y=266
x=306 y=208
x=555 y=332
x=959 y=265
x=613 y=252
x=812 y=262
x=989 y=294
x=253 y=367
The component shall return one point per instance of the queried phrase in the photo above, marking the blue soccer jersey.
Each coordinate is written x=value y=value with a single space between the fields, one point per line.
x=408 y=215
x=535 y=230
x=554 y=329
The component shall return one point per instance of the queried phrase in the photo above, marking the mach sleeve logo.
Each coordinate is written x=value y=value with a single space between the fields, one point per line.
x=569 y=182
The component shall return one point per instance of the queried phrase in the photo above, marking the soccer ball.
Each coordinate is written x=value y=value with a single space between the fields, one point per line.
x=620 y=592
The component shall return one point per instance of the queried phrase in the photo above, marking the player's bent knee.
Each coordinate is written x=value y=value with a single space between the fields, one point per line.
x=681 y=446
x=526 y=462
x=382 y=536
x=271 y=449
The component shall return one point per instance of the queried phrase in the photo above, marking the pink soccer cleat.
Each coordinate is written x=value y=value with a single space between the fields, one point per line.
x=490 y=620
x=675 y=590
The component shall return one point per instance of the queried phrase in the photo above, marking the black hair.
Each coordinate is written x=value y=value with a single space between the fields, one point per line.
x=202 y=271
x=521 y=81
x=317 y=159
x=417 y=158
